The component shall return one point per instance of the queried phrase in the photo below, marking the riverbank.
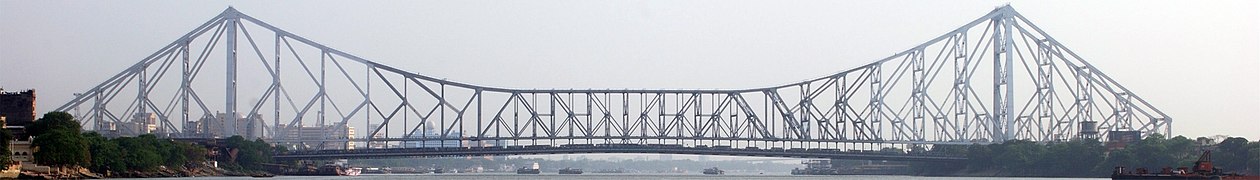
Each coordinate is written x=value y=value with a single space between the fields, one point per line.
x=160 y=172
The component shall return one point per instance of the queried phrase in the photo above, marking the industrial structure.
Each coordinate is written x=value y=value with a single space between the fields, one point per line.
x=996 y=78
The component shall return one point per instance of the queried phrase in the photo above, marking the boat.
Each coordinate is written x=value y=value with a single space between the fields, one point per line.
x=529 y=170
x=1203 y=169
x=354 y=171
x=829 y=167
x=570 y=171
x=438 y=170
x=714 y=170
x=325 y=170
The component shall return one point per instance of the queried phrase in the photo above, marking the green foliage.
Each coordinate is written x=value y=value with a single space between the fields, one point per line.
x=62 y=148
x=1253 y=163
x=1088 y=157
x=57 y=140
x=1231 y=154
x=980 y=156
x=249 y=155
x=5 y=153
x=54 y=121
x=1076 y=158
x=141 y=152
x=1020 y=156
x=105 y=153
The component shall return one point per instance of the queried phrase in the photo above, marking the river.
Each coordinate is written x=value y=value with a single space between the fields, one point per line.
x=486 y=176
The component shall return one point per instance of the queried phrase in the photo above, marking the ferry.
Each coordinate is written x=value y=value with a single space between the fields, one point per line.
x=529 y=170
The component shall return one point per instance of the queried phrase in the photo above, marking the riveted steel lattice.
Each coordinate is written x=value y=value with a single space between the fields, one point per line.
x=934 y=93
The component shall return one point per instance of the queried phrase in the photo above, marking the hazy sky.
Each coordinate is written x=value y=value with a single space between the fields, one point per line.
x=1195 y=60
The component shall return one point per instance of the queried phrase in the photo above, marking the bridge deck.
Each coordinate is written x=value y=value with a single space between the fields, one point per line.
x=611 y=148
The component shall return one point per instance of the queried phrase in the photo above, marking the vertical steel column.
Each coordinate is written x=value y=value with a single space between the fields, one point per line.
x=806 y=112
x=877 y=100
x=229 y=124
x=961 y=82
x=1045 y=92
x=275 y=79
x=1085 y=101
x=98 y=108
x=480 y=135
x=1003 y=101
x=183 y=87
x=141 y=98
x=842 y=112
x=918 y=108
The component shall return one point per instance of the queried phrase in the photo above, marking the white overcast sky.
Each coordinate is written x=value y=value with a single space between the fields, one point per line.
x=1196 y=60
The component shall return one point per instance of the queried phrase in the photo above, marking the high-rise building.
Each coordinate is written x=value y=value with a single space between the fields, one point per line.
x=249 y=127
x=319 y=137
x=18 y=108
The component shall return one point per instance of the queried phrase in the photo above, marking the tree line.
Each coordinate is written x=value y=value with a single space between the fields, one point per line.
x=1091 y=158
x=59 y=141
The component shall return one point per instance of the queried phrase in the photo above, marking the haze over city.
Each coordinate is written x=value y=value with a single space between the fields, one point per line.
x=1197 y=61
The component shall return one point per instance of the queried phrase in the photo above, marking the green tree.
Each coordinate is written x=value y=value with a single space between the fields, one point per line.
x=57 y=141
x=1231 y=154
x=62 y=148
x=54 y=121
x=1254 y=163
x=1020 y=156
x=980 y=157
x=105 y=153
x=248 y=155
x=1122 y=157
x=1152 y=152
x=1074 y=158
x=5 y=153
x=192 y=152
x=140 y=153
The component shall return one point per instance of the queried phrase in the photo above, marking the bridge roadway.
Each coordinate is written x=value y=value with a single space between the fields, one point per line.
x=612 y=148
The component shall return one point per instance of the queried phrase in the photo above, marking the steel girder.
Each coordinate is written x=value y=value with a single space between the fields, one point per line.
x=1042 y=92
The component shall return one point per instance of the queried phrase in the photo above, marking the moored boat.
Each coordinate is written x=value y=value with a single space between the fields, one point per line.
x=570 y=171
x=534 y=169
x=325 y=170
x=714 y=170
x=1203 y=169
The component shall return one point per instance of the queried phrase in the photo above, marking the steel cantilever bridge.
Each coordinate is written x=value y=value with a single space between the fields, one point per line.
x=993 y=79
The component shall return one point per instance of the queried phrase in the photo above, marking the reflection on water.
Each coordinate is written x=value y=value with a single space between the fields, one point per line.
x=613 y=177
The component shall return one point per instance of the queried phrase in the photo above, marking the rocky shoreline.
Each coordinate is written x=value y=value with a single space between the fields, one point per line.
x=161 y=172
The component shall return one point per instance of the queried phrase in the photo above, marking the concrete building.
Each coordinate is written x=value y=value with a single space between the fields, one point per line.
x=249 y=127
x=452 y=139
x=17 y=107
x=378 y=135
x=316 y=137
x=140 y=123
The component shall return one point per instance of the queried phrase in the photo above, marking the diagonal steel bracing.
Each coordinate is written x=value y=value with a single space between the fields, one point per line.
x=928 y=94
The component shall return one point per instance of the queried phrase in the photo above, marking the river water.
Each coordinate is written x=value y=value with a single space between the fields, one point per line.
x=613 y=177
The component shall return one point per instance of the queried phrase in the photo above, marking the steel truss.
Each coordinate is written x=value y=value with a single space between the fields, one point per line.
x=1042 y=91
